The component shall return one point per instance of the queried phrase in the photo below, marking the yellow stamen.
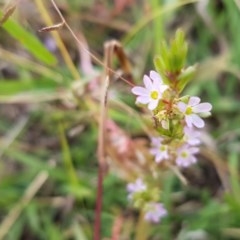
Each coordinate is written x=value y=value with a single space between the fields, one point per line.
x=163 y=148
x=184 y=154
x=189 y=110
x=154 y=95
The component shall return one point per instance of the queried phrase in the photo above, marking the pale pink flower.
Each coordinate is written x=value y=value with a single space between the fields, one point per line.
x=159 y=150
x=193 y=109
x=137 y=186
x=155 y=212
x=191 y=136
x=118 y=138
x=185 y=156
x=152 y=92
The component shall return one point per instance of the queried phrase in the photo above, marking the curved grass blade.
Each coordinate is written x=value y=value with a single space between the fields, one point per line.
x=29 y=41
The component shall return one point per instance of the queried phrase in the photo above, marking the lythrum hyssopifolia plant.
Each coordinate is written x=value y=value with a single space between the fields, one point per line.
x=177 y=121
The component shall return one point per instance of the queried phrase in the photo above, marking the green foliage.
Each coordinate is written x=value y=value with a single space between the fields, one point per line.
x=173 y=57
x=185 y=76
x=170 y=63
x=10 y=88
x=29 y=41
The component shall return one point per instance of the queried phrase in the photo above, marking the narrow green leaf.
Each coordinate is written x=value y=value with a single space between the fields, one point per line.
x=185 y=77
x=234 y=177
x=29 y=41
x=79 y=232
x=67 y=157
x=12 y=87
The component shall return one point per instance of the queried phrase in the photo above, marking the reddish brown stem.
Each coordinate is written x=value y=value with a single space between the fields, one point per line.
x=165 y=101
x=98 y=207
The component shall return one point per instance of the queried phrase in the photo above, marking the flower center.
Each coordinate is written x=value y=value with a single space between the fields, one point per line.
x=163 y=148
x=189 y=111
x=184 y=154
x=154 y=95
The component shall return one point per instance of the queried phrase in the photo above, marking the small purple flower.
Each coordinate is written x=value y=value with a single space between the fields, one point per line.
x=159 y=150
x=193 y=109
x=191 y=136
x=50 y=44
x=152 y=92
x=185 y=156
x=155 y=212
x=137 y=186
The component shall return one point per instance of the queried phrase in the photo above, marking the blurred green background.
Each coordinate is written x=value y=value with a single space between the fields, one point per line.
x=48 y=126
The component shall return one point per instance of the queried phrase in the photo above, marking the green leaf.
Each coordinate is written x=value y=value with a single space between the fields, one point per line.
x=78 y=232
x=234 y=175
x=173 y=56
x=29 y=41
x=178 y=52
x=67 y=158
x=80 y=191
x=185 y=77
x=12 y=87
x=160 y=66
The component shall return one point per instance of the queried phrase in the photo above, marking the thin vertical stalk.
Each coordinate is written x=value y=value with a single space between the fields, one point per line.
x=59 y=41
x=110 y=48
x=101 y=157
x=142 y=228
x=158 y=24
x=98 y=207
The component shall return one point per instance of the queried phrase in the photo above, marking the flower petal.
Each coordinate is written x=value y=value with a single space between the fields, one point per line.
x=194 y=101
x=192 y=136
x=180 y=161
x=153 y=104
x=130 y=187
x=140 y=91
x=143 y=99
x=147 y=82
x=193 y=141
x=162 y=88
x=182 y=107
x=154 y=151
x=193 y=150
x=155 y=76
x=192 y=159
x=159 y=157
x=189 y=120
x=157 y=84
x=156 y=141
x=155 y=213
x=202 y=107
x=197 y=121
